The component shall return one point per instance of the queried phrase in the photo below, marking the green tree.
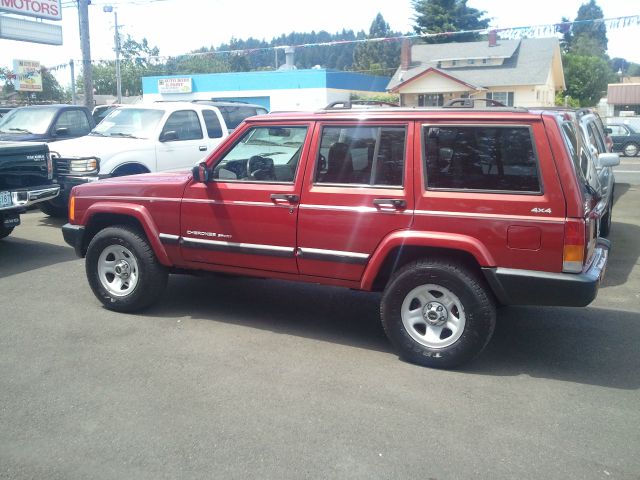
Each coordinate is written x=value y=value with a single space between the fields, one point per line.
x=377 y=57
x=438 y=16
x=587 y=78
x=589 y=37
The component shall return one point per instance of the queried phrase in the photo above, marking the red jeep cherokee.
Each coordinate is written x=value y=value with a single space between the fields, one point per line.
x=448 y=212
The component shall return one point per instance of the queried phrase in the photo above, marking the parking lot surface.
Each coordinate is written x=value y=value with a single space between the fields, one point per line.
x=246 y=378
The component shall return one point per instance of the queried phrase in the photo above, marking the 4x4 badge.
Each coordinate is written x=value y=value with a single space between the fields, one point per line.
x=540 y=210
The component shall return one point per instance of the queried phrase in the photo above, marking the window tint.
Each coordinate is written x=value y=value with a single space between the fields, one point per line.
x=214 y=129
x=480 y=158
x=264 y=154
x=75 y=121
x=233 y=116
x=185 y=123
x=362 y=156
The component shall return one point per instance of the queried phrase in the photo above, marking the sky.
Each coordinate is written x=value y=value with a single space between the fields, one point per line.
x=180 y=26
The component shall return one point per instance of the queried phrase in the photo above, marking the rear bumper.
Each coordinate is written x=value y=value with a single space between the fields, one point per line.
x=531 y=287
x=26 y=197
x=74 y=236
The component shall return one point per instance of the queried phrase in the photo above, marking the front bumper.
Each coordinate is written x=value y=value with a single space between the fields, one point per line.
x=531 y=287
x=74 y=236
x=26 y=197
x=67 y=182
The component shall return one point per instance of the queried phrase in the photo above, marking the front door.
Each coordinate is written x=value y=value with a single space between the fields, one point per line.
x=246 y=216
x=359 y=191
x=182 y=142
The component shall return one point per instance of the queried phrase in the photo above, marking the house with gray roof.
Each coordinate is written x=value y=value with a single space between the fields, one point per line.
x=524 y=72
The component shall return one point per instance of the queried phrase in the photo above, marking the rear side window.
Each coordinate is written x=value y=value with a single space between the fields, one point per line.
x=363 y=155
x=214 y=129
x=491 y=158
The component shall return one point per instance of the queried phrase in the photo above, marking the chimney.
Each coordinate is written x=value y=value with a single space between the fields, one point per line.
x=493 y=38
x=289 y=53
x=405 y=54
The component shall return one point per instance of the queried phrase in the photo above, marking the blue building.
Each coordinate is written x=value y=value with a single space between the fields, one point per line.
x=275 y=90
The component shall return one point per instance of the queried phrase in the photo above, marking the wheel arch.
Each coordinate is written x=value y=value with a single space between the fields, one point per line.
x=100 y=216
x=402 y=248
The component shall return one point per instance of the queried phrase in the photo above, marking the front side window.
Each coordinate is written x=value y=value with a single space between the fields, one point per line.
x=360 y=155
x=618 y=130
x=263 y=154
x=185 y=124
x=75 y=121
x=492 y=158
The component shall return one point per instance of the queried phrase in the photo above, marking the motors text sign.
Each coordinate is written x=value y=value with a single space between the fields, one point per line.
x=50 y=9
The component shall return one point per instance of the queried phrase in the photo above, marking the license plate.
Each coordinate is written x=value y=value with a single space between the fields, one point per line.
x=5 y=199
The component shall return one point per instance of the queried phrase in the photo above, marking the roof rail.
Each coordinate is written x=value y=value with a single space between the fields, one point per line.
x=349 y=104
x=470 y=103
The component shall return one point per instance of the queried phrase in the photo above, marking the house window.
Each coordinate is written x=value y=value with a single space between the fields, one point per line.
x=454 y=62
x=484 y=60
x=503 y=97
x=471 y=61
x=431 y=100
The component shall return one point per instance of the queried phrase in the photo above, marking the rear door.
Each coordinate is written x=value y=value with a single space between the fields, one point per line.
x=357 y=190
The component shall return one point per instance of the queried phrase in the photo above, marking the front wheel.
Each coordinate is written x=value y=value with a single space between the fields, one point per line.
x=5 y=231
x=123 y=271
x=437 y=313
x=631 y=149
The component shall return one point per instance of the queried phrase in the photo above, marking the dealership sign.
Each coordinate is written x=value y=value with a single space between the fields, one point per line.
x=50 y=9
x=28 y=76
x=174 y=85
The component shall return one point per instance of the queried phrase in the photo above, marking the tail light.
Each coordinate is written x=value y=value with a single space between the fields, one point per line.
x=574 y=246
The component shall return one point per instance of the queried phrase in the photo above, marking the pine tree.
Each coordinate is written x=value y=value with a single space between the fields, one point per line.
x=377 y=57
x=438 y=16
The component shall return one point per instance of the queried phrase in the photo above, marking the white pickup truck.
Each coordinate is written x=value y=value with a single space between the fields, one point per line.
x=143 y=138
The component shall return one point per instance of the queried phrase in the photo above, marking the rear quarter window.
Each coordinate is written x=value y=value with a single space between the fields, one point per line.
x=481 y=158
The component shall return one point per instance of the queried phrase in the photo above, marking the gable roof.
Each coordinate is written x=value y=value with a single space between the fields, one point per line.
x=525 y=62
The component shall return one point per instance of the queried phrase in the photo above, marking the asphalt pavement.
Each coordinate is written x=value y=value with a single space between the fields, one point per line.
x=232 y=378
x=628 y=172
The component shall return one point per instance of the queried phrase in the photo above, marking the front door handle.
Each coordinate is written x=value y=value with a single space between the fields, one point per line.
x=394 y=203
x=285 y=197
x=202 y=148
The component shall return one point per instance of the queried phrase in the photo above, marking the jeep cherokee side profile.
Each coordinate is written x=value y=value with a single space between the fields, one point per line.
x=447 y=212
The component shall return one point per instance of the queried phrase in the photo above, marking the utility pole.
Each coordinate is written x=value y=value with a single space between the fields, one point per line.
x=109 y=9
x=85 y=45
x=72 y=66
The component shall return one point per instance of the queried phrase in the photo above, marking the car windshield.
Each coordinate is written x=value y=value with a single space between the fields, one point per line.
x=233 y=116
x=28 y=120
x=129 y=122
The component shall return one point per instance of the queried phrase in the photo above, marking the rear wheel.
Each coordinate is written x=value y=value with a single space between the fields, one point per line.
x=437 y=313
x=123 y=271
x=631 y=149
x=5 y=232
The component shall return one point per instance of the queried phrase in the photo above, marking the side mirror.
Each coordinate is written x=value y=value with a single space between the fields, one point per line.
x=61 y=132
x=609 y=159
x=201 y=173
x=169 y=136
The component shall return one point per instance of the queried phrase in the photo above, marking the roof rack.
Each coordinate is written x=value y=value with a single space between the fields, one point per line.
x=349 y=104
x=470 y=103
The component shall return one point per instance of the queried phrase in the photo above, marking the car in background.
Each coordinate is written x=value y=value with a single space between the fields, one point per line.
x=600 y=147
x=234 y=113
x=46 y=123
x=135 y=139
x=5 y=110
x=101 y=111
x=626 y=139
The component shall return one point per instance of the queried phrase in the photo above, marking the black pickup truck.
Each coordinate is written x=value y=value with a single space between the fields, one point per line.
x=26 y=178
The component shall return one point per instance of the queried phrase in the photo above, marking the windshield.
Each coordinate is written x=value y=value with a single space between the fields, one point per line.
x=28 y=120
x=129 y=122
x=233 y=116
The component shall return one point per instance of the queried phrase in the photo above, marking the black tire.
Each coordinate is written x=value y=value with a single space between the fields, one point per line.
x=151 y=276
x=54 y=210
x=5 y=232
x=475 y=301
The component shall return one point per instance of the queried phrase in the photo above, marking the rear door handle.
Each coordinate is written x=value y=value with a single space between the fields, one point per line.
x=203 y=148
x=284 y=197
x=394 y=203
